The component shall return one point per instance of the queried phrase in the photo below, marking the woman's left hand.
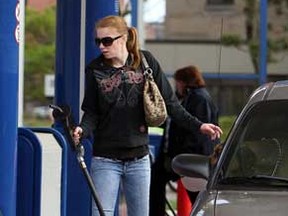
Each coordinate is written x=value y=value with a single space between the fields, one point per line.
x=212 y=130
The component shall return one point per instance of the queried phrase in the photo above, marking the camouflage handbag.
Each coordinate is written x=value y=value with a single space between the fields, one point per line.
x=154 y=104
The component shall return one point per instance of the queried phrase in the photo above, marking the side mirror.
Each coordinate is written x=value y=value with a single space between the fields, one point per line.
x=194 y=170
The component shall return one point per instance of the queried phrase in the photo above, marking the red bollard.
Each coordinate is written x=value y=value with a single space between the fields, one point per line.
x=184 y=206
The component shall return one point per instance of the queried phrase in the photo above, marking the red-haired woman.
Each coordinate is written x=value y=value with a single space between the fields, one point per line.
x=114 y=114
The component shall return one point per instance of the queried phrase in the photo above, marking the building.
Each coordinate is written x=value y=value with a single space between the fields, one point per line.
x=192 y=34
x=40 y=4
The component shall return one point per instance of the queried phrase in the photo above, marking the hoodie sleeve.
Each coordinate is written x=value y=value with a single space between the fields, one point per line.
x=89 y=104
x=174 y=108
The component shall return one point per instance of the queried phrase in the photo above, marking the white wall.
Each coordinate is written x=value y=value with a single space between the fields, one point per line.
x=176 y=55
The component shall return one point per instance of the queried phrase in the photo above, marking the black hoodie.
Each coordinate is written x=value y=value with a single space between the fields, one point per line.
x=113 y=108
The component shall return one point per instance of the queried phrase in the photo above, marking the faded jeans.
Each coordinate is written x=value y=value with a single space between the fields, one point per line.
x=134 y=176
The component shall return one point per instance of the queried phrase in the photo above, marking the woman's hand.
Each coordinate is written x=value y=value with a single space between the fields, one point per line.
x=77 y=134
x=212 y=130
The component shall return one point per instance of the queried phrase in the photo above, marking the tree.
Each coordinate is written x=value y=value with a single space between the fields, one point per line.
x=274 y=45
x=40 y=34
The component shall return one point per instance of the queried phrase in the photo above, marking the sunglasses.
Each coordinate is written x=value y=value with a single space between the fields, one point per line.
x=106 y=41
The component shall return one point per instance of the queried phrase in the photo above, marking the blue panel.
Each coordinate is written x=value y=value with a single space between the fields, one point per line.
x=75 y=193
x=95 y=10
x=62 y=143
x=25 y=177
x=263 y=42
x=230 y=76
x=68 y=55
x=28 y=174
x=9 y=105
x=78 y=191
x=134 y=13
x=155 y=144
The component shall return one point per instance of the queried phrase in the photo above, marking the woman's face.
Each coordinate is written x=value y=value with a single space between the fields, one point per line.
x=110 y=42
x=180 y=87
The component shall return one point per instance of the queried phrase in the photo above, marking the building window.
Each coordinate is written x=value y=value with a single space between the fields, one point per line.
x=220 y=2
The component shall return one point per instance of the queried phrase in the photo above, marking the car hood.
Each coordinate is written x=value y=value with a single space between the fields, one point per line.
x=252 y=203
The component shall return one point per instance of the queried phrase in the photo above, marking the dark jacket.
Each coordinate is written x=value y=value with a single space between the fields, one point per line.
x=198 y=103
x=113 y=108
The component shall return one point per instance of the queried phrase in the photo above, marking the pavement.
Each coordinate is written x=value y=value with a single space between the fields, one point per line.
x=170 y=194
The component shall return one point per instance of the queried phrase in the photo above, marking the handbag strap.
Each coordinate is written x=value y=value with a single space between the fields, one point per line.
x=144 y=60
x=147 y=69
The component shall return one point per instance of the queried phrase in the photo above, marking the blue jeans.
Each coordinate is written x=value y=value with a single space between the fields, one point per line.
x=134 y=176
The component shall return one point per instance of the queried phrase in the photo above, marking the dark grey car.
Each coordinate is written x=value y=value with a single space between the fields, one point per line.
x=251 y=175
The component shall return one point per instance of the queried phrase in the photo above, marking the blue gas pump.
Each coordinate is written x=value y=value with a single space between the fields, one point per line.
x=9 y=51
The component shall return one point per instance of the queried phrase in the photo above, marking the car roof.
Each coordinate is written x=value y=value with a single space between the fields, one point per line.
x=270 y=91
x=267 y=92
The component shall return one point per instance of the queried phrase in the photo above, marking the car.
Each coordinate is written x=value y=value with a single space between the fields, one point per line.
x=250 y=175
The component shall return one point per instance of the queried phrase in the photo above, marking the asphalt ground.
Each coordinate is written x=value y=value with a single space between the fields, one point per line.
x=171 y=196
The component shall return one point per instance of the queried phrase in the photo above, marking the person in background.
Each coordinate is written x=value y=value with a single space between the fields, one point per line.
x=191 y=91
x=114 y=114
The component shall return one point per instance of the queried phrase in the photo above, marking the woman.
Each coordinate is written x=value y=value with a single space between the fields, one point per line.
x=114 y=114
x=191 y=91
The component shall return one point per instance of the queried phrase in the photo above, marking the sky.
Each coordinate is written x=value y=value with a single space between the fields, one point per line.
x=154 y=10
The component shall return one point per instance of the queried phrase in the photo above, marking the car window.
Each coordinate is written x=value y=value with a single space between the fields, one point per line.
x=260 y=147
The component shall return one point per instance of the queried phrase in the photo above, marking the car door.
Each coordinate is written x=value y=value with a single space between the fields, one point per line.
x=252 y=178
